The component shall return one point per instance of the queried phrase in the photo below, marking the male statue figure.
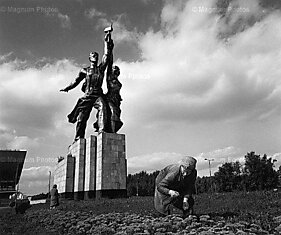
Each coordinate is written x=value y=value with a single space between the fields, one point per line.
x=93 y=96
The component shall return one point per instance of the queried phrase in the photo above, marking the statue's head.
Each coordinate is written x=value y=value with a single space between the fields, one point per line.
x=94 y=57
x=116 y=70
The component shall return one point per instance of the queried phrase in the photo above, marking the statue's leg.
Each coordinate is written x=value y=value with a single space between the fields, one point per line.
x=112 y=119
x=100 y=105
x=115 y=112
x=82 y=123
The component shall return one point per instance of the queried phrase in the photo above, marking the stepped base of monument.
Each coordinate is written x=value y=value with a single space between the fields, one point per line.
x=79 y=195
x=111 y=193
x=92 y=195
x=67 y=195
x=89 y=195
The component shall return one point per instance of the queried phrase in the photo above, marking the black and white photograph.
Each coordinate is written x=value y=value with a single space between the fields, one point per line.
x=140 y=117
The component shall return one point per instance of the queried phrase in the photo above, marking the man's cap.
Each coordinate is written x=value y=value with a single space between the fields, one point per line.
x=189 y=162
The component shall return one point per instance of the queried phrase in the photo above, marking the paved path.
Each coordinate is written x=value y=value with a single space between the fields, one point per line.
x=37 y=201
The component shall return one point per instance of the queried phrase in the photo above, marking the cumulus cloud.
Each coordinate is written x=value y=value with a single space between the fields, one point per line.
x=35 y=180
x=152 y=162
x=157 y=161
x=226 y=154
x=196 y=75
x=5 y=57
x=217 y=158
x=30 y=96
x=21 y=142
x=33 y=110
x=276 y=157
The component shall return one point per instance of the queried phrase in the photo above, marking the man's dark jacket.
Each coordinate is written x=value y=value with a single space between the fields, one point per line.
x=170 y=178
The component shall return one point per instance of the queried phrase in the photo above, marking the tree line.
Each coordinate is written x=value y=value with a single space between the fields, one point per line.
x=258 y=173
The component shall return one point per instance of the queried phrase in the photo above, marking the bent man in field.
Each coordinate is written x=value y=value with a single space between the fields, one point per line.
x=174 y=187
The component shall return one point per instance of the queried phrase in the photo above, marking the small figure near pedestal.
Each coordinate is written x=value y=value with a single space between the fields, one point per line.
x=54 y=202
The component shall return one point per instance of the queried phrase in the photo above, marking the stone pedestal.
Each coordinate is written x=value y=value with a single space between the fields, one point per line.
x=94 y=168
x=90 y=168
x=111 y=166
x=77 y=150
x=64 y=176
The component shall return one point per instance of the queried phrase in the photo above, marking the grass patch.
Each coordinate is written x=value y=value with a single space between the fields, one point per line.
x=254 y=208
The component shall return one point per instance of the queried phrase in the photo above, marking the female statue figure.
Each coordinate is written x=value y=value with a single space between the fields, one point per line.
x=113 y=96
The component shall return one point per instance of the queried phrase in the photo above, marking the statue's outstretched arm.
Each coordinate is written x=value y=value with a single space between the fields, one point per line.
x=72 y=85
x=109 y=71
x=107 y=57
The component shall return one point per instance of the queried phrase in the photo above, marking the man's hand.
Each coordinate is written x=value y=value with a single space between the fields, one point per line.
x=188 y=203
x=173 y=193
x=185 y=204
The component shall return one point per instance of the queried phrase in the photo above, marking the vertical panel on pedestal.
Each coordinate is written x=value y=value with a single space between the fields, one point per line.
x=111 y=171
x=64 y=176
x=90 y=168
x=77 y=150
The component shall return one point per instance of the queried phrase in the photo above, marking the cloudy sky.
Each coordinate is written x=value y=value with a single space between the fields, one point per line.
x=200 y=78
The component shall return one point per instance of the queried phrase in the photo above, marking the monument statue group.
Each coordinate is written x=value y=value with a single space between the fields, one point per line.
x=95 y=167
x=107 y=105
